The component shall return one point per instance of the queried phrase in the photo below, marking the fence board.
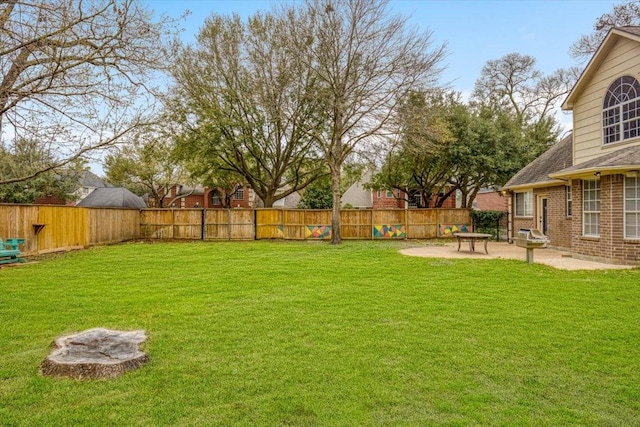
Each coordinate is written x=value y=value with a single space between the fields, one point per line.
x=422 y=223
x=269 y=224
x=389 y=224
x=72 y=227
x=66 y=228
x=242 y=224
x=453 y=220
x=356 y=223
x=317 y=224
x=113 y=225
x=187 y=223
x=156 y=224
x=16 y=221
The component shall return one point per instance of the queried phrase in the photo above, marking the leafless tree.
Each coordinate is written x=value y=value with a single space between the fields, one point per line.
x=76 y=74
x=365 y=61
x=515 y=84
x=623 y=14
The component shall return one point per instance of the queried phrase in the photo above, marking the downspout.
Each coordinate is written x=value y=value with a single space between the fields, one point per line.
x=611 y=217
x=509 y=218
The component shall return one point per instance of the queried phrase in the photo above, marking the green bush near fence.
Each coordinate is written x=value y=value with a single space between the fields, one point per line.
x=306 y=333
x=490 y=222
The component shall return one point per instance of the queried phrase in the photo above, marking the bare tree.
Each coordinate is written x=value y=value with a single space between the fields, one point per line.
x=623 y=14
x=365 y=62
x=247 y=105
x=75 y=75
x=515 y=84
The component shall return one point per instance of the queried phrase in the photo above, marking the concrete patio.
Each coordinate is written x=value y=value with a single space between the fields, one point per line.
x=552 y=257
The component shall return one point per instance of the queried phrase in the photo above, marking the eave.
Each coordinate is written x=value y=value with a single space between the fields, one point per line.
x=594 y=64
x=534 y=185
x=594 y=171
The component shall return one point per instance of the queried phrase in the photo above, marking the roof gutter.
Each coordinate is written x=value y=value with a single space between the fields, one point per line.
x=541 y=184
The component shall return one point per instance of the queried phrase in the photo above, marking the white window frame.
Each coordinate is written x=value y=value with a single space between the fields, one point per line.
x=523 y=208
x=389 y=194
x=631 y=207
x=238 y=194
x=569 y=202
x=621 y=111
x=591 y=208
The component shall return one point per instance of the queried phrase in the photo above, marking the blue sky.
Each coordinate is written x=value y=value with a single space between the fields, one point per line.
x=475 y=31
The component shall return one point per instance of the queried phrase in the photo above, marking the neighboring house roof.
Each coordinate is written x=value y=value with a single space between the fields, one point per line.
x=356 y=195
x=112 y=197
x=90 y=180
x=536 y=173
x=197 y=190
x=621 y=161
x=596 y=61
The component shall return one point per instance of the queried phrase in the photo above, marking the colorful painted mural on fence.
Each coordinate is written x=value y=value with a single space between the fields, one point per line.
x=447 y=230
x=394 y=231
x=318 y=231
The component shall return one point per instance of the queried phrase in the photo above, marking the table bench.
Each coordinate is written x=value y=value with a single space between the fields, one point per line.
x=471 y=238
x=8 y=256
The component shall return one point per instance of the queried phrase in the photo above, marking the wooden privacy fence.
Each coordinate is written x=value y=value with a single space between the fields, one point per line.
x=299 y=224
x=56 y=228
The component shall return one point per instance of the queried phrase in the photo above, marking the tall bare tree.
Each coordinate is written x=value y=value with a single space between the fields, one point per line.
x=365 y=61
x=247 y=105
x=75 y=75
x=623 y=14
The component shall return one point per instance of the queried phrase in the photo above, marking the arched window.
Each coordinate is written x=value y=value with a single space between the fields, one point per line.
x=621 y=110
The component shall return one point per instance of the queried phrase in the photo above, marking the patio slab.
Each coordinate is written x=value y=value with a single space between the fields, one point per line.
x=552 y=257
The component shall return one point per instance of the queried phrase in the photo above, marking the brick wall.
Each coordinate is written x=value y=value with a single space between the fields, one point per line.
x=559 y=225
x=611 y=246
x=383 y=201
x=490 y=201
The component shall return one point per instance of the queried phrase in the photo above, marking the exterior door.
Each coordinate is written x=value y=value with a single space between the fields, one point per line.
x=542 y=214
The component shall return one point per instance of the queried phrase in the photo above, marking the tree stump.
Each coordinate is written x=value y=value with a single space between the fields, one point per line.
x=95 y=353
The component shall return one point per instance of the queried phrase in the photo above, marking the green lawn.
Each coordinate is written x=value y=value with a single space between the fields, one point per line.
x=305 y=333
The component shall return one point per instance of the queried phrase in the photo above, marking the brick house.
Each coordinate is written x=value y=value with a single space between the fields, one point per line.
x=584 y=193
x=186 y=197
x=358 y=197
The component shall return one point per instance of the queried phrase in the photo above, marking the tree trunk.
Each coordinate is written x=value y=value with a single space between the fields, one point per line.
x=336 y=238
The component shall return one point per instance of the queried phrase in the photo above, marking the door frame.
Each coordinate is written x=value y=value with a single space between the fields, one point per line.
x=542 y=213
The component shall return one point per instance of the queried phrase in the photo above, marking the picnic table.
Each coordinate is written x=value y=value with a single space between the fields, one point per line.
x=471 y=238
x=9 y=252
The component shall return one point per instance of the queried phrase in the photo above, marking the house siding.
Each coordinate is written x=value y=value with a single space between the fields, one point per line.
x=624 y=59
x=611 y=245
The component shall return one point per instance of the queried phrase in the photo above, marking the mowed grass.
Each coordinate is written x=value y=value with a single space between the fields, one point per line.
x=305 y=333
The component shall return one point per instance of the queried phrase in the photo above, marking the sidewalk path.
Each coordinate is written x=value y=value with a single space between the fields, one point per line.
x=552 y=257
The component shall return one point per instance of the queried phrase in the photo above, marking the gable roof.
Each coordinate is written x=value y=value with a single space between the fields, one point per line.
x=536 y=173
x=597 y=59
x=112 y=197
x=356 y=195
x=90 y=180
x=620 y=161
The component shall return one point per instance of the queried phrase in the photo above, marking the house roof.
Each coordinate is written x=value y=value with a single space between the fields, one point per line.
x=90 y=180
x=620 y=161
x=536 y=173
x=112 y=197
x=598 y=58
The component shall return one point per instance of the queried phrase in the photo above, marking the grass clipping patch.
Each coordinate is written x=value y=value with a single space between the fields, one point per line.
x=95 y=353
